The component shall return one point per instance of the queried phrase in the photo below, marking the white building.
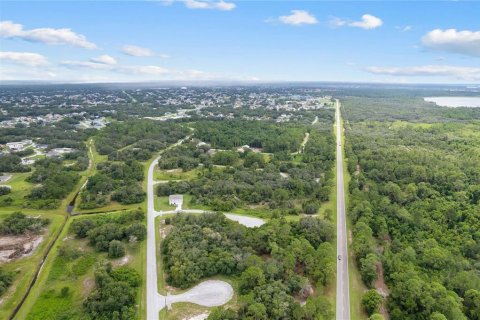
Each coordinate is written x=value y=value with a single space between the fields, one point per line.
x=27 y=161
x=176 y=200
x=19 y=146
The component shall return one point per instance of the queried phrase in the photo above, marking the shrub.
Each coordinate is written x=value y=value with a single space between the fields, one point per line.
x=371 y=301
x=18 y=223
x=4 y=190
x=116 y=249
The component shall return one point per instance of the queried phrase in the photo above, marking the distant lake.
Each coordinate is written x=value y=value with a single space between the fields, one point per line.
x=455 y=102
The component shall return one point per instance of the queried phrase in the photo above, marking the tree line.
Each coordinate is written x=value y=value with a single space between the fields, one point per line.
x=415 y=206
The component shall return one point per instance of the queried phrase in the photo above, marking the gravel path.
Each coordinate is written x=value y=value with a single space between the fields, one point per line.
x=249 y=222
x=210 y=293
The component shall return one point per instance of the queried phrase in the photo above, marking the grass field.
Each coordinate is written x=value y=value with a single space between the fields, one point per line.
x=20 y=188
x=47 y=301
x=42 y=290
x=161 y=203
x=175 y=174
x=27 y=266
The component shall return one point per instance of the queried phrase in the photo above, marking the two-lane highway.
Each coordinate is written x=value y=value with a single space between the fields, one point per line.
x=343 y=296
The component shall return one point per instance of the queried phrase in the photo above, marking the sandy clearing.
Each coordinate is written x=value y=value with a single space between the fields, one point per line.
x=210 y=293
x=5 y=178
x=17 y=247
x=249 y=222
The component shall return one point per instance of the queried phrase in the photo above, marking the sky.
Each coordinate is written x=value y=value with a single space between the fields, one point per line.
x=255 y=41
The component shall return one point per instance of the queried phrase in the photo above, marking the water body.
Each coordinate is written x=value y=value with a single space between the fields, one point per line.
x=455 y=102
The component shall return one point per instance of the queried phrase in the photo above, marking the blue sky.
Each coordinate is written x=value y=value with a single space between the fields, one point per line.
x=87 y=41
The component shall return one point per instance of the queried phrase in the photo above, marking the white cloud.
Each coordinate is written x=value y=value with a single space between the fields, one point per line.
x=23 y=58
x=298 y=17
x=463 y=73
x=166 y=2
x=367 y=22
x=137 y=51
x=104 y=59
x=145 y=70
x=450 y=40
x=206 y=4
x=404 y=29
x=337 y=22
x=8 y=29
x=127 y=69
x=86 y=64
x=25 y=73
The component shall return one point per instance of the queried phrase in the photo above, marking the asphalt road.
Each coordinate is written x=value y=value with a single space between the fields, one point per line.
x=208 y=293
x=155 y=302
x=343 y=295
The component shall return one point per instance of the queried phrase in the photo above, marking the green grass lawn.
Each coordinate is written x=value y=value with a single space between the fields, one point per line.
x=27 y=266
x=161 y=203
x=259 y=212
x=20 y=189
x=175 y=175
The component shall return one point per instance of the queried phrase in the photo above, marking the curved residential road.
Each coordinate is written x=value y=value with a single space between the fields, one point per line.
x=208 y=293
x=343 y=295
x=154 y=301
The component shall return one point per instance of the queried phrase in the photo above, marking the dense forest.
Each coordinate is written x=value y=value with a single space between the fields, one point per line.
x=12 y=163
x=54 y=182
x=228 y=134
x=415 y=205
x=147 y=135
x=250 y=179
x=397 y=105
x=106 y=234
x=278 y=264
x=61 y=135
x=115 y=294
x=117 y=181
x=127 y=144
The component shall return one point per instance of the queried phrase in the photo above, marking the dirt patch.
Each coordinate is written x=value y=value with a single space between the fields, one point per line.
x=284 y=175
x=357 y=170
x=88 y=285
x=16 y=247
x=304 y=293
x=122 y=261
x=382 y=288
x=5 y=178
x=164 y=229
